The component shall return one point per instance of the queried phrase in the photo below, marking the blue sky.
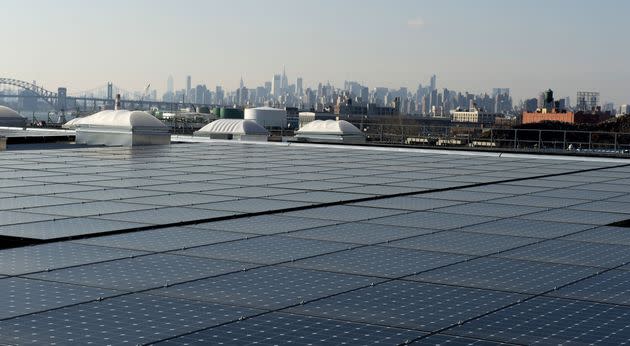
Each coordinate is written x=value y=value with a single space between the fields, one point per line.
x=528 y=45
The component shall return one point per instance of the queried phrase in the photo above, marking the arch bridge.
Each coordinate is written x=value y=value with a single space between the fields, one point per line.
x=46 y=95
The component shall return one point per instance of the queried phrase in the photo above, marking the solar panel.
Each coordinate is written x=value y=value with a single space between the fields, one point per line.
x=605 y=234
x=553 y=321
x=142 y=272
x=577 y=216
x=265 y=224
x=282 y=328
x=379 y=261
x=345 y=213
x=527 y=228
x=266 y=249
x=404 y=304
x=30 y=259
x=360 y=233
x=432 y=220
x=133 y=319
x=388 y=269
x=572 y=252
x=408 y=203
x=609 y=287
x=463 y=243
x=507 y=275
x=63 y=228
x=24 y=296
x=171 y=238
x=267 y=287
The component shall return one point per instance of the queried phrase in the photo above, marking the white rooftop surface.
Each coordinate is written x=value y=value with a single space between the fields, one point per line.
x=233 y=126
x=269 y=243
x=335 y=127
x=120 y=119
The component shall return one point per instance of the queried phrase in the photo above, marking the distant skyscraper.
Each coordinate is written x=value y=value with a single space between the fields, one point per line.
x=300 y=90
x=241 y=85
x=188 y=87
x=285 y=82
x=170 y=85
x=433 y=83
x=500 y=91
x=276 y=85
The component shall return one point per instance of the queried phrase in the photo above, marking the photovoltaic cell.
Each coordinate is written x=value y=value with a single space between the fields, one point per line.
x=485 y=209
x=379 y=261
x=463 y=242
x=360 y=233
x=608 y=287
x=452 y=340
x=605 y=234
x=553 y=321
x=132 y=319
x=46 y=230
x=266 y=250
x=345 y=213
x=431 y=220
x=408 y=203
x=267 y=287
x=572 y=252
x=265 y=224
x=403 y=304
x=281 y=328
x=21 y=296
x=577 y=216
x=51 y=256
x=165 y=239
x=167 y=215
x=507 y=275
x=143 y=272
x=320 y=265
x=527 y=228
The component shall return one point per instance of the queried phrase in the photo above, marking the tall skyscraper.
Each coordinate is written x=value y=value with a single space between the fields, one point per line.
x=188 y=87
x=170 y=85
x=299 y=86
x=433 y=83
x=276 y=85
x=285 y=82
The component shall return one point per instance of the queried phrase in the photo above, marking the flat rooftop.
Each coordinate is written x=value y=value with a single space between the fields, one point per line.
x=261 y=243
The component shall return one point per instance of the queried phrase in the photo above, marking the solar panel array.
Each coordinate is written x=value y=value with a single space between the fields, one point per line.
x=233 y=243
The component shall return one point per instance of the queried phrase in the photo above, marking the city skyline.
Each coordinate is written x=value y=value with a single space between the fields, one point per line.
x=528 y=47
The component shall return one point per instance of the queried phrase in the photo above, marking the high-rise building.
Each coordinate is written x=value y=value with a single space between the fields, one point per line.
x=188 y=87
x=276 y=85
x=299 y=86
x=433 y=83
x=218 y=95
x=285 y=82
x=170 y=85
x=587 y=101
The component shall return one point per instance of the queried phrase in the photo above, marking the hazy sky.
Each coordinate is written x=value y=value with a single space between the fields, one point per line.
x=527 y=45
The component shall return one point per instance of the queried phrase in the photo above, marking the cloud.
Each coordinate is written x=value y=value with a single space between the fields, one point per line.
x=416 y=23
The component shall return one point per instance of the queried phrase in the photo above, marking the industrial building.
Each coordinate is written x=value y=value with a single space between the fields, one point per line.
x=236 y=129
x=267 y=117
x=228 y=113
x=11 y=118
x=551 y=110
x=473 y=116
